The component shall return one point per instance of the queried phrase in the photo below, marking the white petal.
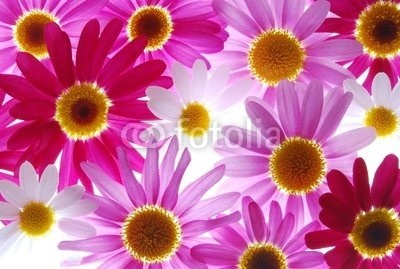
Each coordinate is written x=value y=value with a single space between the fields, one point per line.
x=79 y=208
x=76 y=228
x=181 y=80
x=13 y=194
x=199 y=80
x=360 y=94
x=233 y=94
x=164 y=109
x=381 y=89
x=48 y=183
x=8 y=236
x=153 y=91
x=217 y=81
x=8 y=211
x=67 y=197
x=395 y=98
x=29 y=180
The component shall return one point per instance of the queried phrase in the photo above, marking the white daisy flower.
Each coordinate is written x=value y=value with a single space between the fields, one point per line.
x=381 y=110
x=197 y=99
x=33 y=209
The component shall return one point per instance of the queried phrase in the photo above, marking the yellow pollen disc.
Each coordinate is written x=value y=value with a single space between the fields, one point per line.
x=258 y=256
x=297 y=165
x=384 y=120
x=376 y=233
x=29 y=32
x=151 y=234
x=276 y=55
x=195 y=119
x=82 y=110
x=36 y=219
x=154 y=22
x=378 y=29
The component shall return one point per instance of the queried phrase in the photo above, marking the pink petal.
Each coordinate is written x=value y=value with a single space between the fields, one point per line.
x=288 y=108
x=297 y=241
x=215 y=254
x=245 y=165
x=284 y=230
x=336 y=49
x=254 y=220
x=229 y=236
x=261 y=13
x=311 y=109
x=98 y=244
x=305 y=259
x=183 y=53
x=151 y=175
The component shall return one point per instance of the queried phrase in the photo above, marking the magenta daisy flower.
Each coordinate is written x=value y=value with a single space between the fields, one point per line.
x=376 y=25
x=294 y=147
x=276 y=40
x=82 y=108
x=276 y=244
x=177 y=30
x=22 y=24
x=363 y=221
x=147 y=223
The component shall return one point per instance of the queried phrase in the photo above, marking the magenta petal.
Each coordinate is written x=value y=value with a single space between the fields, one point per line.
x=197 y=227
x=133 y=187
x=229 y=236
x=184 y=53
x=338 y=255
x=37 y=74
x=215 y=254
x=311 y=109
x=85 y=52
x=194 y=191
x=261 y=12
x=254 y=220
x=384 y=180
x=288 y=108
x=297 y=241
x=33 y=110
x=305 y=259
x=284 y=230
x=98 y=244
x=324 y=238
x=21 y=89
x=119 y=260
x=275 y=217
x=361 y=184
x=168 y=163
x=341 y=187
x=59 y=48
x=122 y=60
x=170 y=196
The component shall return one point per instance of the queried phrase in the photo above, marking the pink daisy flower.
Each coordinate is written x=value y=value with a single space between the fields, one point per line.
x=276 y=244
x=22 y=24
x=179 y=30
x=376 y=25
x=34 y=208
x=275 y=40
x=294 y=147
x=363 y=221
x=81 y=110
x=147 y=223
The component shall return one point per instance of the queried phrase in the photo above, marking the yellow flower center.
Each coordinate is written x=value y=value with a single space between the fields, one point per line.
x=154 y=22
x=297 y=165
x=195 y=119
x=29 y=32
x=276 y=55
x=384 y=120
x=259 y=256
x=151 y=234
x=378 y=29
x=36 y=219
x=82 y=111
x=376 y=233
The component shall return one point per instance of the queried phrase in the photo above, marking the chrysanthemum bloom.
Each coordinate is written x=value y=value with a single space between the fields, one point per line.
x=197 y=99
x=260 y=244
x=147 y=224
x=363 y=221
x=22 y=24
x=178 y=30
x=82 y=109
x=376 y=25
x=34 y=208
x=276 y=40
x=294 y=146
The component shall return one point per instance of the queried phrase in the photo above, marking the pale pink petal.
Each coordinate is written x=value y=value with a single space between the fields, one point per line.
x=67 y=197
x=76 y=227
x=97 y=244
x=381 y=89
x=394 y=102
x=245 y=165
x=8 y=236
x=219 y=77
x=261 y=13
x=336 y=50
x=13 y=194
x=311 y=19
x=291 y=11
x=349 y=142
x=48 y=183
x=167 y=109
x=182 y=83
x=199 y=80
x=360 y=94
x=79 y=208
x=29 y=180
x=233 y=94
x=8 y=211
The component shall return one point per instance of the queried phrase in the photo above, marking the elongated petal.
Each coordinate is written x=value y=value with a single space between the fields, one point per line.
x=214 y=254
x=76 y=228
x=67 y=197
x=384 y=180
x=48 y=183
x=98 y=244
x=13 y=194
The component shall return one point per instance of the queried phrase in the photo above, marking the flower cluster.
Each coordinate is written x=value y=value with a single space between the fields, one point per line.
x=103 y=104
